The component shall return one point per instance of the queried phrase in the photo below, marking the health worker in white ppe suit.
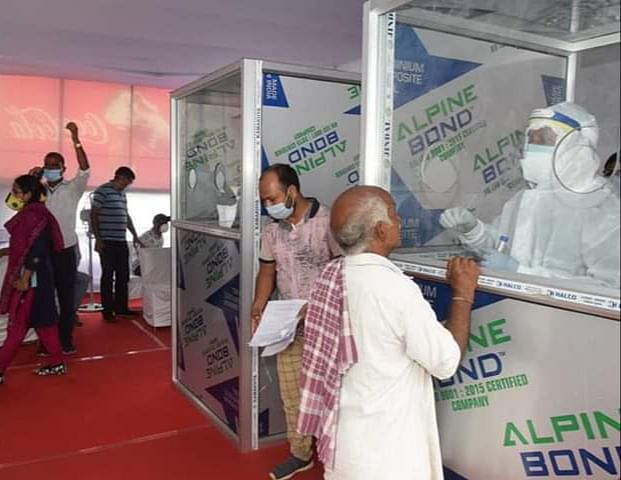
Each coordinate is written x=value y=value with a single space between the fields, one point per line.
x=566 y=224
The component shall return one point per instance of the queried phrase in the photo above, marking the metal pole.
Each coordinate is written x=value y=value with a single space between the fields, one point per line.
x=573 y=59
x=90 y=266
x=91 y=306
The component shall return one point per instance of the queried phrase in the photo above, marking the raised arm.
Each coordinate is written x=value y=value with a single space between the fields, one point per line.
x=77 y=145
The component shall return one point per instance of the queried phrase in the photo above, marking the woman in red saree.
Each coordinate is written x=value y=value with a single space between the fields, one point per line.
x=27 y=293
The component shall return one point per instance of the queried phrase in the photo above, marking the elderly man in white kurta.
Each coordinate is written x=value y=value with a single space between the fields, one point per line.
x=367 y=381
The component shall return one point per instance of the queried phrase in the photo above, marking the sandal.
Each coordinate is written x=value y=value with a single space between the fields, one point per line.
x=59 y=369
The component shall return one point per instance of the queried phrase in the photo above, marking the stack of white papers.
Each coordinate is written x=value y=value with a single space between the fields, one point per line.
x=278 y=325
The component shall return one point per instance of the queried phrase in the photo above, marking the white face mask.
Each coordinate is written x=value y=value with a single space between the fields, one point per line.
x=164 y=228
x=537 y=163
x=281 y=211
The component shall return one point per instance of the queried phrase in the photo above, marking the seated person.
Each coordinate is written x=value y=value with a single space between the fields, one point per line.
x=566 y=224
x=152 y=238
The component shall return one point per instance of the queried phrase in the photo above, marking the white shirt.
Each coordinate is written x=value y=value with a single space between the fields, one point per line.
x=62 y=201
x=150 y=240
x=387 y=419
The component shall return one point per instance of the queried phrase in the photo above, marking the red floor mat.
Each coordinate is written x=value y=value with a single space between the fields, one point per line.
x=115 y=418
x=202 y=454
x=98 y=402
x=97 y=337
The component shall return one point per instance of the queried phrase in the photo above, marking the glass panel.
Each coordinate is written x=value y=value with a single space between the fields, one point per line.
x=562 y=19
x=208 y=362
x=272 y=420
x=474 y=171
x=314 y=126
x=597 y=90
x=211 y=152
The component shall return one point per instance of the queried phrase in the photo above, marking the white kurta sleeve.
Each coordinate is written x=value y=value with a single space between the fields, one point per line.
x=427 y=342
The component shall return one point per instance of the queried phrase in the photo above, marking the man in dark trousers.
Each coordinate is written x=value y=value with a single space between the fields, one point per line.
x=63 y=197
x=109 y=221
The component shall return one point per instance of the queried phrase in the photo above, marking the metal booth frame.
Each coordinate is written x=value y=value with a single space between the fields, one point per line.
x=251 y=72
x=380 y=18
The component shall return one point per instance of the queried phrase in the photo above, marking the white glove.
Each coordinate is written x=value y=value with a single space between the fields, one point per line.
x=499 y=261
x=459 y=219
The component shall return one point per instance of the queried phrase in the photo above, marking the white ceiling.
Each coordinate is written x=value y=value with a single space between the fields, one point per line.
x=170 y=42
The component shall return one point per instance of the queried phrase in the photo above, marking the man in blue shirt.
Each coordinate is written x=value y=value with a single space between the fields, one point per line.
x=109 y=221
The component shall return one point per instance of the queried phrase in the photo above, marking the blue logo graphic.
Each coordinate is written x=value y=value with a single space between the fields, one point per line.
x=554 y=88
x=227 y=300
x=354 y=111
x=417 y=72
x=273 y=91
x=227 y=394
x=418 y=225
x=451 y=475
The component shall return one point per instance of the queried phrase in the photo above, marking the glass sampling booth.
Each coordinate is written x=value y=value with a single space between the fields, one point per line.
x=450 y=88
x=226 y=128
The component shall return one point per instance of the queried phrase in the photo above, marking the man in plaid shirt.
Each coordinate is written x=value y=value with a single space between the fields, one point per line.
x=294 y=250
x=372 y=345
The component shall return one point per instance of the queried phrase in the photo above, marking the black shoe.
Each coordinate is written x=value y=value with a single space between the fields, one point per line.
x=109 y=317
x=70 y=350
x=42 y=352
x=291 y=467
x=59 y=369
x=128 y=313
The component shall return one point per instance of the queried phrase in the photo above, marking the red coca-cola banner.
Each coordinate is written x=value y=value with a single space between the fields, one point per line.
x=29 y=125
x=102 y=112
x=151 y=136
x=118 y=124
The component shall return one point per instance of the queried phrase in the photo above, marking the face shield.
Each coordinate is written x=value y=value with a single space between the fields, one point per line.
x=542 y=138
x=560 y=149
x=577 y=165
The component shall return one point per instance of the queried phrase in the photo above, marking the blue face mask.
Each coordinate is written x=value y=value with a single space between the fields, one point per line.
x=52 y=174
x=280 y=211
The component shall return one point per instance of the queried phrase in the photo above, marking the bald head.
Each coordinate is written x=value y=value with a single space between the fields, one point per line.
x=349 y=203
x=361 y=218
